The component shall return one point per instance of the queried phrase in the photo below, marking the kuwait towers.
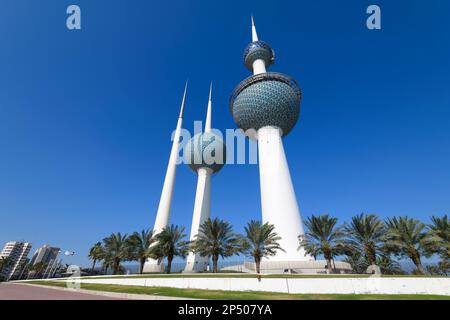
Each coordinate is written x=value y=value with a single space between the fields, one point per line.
x=266 y=106
x=163 y=213
x=205 y=154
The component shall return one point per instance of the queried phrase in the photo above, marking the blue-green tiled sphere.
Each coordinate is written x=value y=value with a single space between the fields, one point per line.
x=205 y=150
x=266 y=99
x=258 y=50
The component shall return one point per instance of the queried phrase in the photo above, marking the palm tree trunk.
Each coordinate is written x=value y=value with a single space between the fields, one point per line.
x=421 y=269
x=258 y=265
x=116 y=266
x=329 y=267
x=214 y=259
x=371 y=254
x=371 y=259
x=141 y=268
x=169 y=264
x=419 y=265
x=93 y=265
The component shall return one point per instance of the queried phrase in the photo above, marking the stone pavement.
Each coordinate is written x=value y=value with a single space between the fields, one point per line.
x=14 y=291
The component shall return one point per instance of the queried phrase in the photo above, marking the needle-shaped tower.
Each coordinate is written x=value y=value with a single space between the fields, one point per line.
x=165 y=201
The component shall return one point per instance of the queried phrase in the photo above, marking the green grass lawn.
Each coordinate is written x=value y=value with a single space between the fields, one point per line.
x=237 y=295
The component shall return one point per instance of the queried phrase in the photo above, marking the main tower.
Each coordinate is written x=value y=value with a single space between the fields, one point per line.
x=266 y=106
x=206 y=154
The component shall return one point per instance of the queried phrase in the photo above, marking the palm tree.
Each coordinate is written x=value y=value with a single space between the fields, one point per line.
x=365 y=234
x=96 y=253
x=388 y=266
x=216 y=238
x=140 y=246
x=170 y=243
x=323 y=237
x=314 y=250
x=357 y=261
x=439 y=237
x=116 y=250
x=441 y=269
x=106 y=264
x=260 y=241
x=406 y=237
x=37 y=269
x=4 y=263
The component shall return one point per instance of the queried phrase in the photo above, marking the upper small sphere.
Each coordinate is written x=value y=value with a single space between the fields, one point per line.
x=258 y=50
x=266 y=99
x=205 y=150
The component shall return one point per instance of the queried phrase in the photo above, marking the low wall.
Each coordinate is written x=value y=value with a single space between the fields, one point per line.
x=332 y=285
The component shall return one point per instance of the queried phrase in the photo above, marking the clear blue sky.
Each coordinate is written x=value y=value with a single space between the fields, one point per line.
x=86 y=116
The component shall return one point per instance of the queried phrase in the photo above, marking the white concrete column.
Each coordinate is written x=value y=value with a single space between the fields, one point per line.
x=278 y=200
x=202 y=211
x=259 y=66
x=165 y=201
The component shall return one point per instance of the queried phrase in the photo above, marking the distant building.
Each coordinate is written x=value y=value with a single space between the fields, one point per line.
x=45 y=255
x=17 y=251
x=44 y=262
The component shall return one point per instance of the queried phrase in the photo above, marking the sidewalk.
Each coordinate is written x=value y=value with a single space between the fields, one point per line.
x=17 y=291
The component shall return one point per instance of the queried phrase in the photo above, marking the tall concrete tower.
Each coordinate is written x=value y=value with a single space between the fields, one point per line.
x=205 y=153
x=165 y=201
x=266 y=106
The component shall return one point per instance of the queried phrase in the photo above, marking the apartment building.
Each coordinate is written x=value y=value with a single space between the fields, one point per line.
x=17 y=252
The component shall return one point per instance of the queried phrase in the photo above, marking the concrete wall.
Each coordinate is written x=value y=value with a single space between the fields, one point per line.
x=372 y=285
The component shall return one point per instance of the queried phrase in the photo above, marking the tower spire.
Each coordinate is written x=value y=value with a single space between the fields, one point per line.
x=208 y=113
x=254 y=34
x=258 y=55
x=184 y=99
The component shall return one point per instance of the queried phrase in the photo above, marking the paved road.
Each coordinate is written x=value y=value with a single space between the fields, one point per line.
x=13 y=291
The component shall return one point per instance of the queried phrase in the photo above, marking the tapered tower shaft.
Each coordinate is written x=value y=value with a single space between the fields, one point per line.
x=202 y=205
x=202 y=212
x=278 y=200
x=165 y=201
